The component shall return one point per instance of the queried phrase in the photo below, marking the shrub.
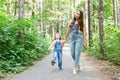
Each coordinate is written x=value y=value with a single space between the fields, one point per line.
x=111 y=45
x=14 y=57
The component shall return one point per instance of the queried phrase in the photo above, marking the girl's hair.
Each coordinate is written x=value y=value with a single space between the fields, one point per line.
x=80 y=21
x=59 y=35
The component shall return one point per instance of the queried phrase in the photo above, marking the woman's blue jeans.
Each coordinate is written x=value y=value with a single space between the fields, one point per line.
x=76 y=49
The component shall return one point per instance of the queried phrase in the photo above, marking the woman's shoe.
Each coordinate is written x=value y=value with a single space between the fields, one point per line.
x=74 y=71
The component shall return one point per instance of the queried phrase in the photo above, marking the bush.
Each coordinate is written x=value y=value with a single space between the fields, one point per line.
x=111 y=45
x=20 y=44
x=94 y=49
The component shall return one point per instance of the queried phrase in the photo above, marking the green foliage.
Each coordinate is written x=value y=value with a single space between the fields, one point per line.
x=1 y=74
x=14 y=57
x=94 y=49
x=111 y=45
x=1 y=1
x=107 y=13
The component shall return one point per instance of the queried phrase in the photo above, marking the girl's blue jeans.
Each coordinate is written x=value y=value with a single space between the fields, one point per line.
x=76 y=48
x=58 y=53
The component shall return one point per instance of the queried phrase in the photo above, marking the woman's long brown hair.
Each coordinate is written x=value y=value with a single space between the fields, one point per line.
x=80 y=21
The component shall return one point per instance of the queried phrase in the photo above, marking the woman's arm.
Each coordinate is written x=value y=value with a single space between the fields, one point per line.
x=67 y=33
x=84 y=36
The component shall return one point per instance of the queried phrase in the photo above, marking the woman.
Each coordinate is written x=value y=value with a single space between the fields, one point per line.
x=76 y=30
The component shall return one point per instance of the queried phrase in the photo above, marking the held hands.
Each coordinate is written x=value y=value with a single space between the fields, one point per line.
x=64 y=41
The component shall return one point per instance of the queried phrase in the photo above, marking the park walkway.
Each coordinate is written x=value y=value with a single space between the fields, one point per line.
x=43 y=70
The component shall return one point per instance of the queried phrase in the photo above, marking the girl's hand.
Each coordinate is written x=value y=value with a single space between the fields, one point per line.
x=64 y=41
x=48 y=48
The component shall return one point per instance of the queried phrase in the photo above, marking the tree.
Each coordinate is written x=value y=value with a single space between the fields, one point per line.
x=116 y=12
x=89 y=23
x=15 y=7
x=33 y=4
x=20 y=9
x=41 y=12
x=21 y=17
x=101 y=31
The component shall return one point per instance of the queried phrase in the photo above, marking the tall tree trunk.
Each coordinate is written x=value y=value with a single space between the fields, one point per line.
x=89 y=24
x=73 y=3
x=8 y=7
x=101 y=31
x=58 y=18
x=33 y=5
x=20 y=9
x=15 y=5
x=86 y=22
x=116 y=12
x=21 y=17
x=85 y=25
x=62 y=28
x=44 y=30
x=53 y=29
x=41 y=13
x=57 y=24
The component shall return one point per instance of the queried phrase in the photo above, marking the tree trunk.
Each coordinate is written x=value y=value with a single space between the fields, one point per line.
x=57 y=24
x=89 y=24
x=52 y=25
x=20 y=9
x=86 y=22
x=33 y=7
x=44 y=30
x=73 y=3
x=41 y=15
x=101 y=31
x=21 y=17
x=8 y=7
x=116 y=12
x=58 y=18
x=15 y=5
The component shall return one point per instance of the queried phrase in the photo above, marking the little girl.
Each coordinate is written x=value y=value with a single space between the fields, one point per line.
x=57 y=50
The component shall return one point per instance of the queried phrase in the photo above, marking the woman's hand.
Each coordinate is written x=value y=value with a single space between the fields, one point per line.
x=84 y=45
x=63 y=42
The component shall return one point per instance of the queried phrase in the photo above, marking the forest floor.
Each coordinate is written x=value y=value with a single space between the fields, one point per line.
x=105 y=68
x=91 y=69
